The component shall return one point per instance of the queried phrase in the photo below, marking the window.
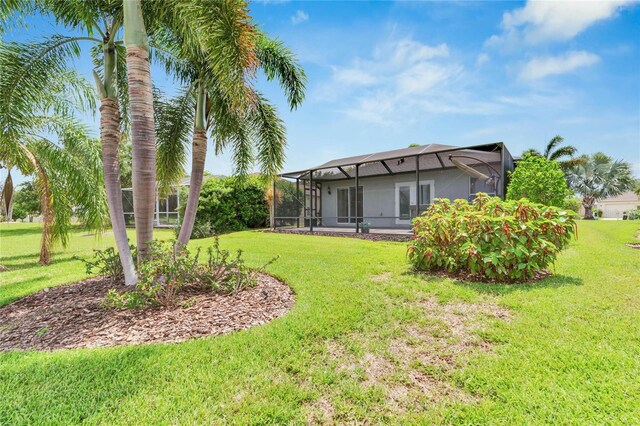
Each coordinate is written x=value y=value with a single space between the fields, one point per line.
x=425 y=194
x=347 y=204
x=404 y=202
x=479 y=185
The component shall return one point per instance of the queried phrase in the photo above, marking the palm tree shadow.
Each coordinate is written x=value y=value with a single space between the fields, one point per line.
x=19 y=232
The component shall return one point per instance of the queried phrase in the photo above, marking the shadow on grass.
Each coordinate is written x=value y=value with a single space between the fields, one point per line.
x=19 y=232
x=552 y=281
x=28 y=261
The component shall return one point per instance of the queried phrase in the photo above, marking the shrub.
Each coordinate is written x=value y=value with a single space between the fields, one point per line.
x=572 y=203
x=538 y=180
x=106 y=263
x=633 y=214
x=489 y=238
x=166 y=273
x=230 y=204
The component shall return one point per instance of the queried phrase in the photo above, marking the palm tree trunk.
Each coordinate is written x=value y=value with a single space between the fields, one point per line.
x=143 y=136
x=195 y=185
x=110 y=139
x=198 y=156
x=47 y=216
x=587 y=203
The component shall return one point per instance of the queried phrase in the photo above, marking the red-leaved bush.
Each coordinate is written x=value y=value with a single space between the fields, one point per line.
x=490 y=238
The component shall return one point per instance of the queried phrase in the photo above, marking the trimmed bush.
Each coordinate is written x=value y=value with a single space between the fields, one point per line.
x=489 y=238
x=228 y=205
x=538 y=180
x=573 y=204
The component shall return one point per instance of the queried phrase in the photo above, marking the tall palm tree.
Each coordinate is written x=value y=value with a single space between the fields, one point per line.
x=143 y=135
x=68 y=173
x=564 y=155
x=253 y=133
x=100 y=22
x=598 y=176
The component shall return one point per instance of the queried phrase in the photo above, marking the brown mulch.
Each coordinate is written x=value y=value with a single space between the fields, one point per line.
x=71 y=316
x=370 y=237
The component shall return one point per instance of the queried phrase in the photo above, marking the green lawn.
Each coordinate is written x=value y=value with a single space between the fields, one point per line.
x=367 y=341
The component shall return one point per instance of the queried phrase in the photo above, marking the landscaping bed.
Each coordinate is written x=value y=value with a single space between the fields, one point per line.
x=72 y=316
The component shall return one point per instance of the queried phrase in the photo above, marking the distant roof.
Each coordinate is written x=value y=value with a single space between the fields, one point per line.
x=628 y=196
x=380 y=163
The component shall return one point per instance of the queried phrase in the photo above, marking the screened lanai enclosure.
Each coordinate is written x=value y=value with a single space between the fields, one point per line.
x=166 y=214
x=383 y=192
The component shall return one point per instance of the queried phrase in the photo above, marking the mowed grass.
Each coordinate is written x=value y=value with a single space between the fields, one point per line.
x=568 y=354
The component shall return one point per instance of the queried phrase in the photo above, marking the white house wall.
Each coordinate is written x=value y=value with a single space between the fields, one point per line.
x=379 y=203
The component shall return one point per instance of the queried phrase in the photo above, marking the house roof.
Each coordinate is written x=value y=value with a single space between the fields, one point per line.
x=628 y=197
x=432 y=156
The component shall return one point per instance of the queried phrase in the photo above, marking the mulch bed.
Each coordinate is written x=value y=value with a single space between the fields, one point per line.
x=71 y=316
x=370 y=237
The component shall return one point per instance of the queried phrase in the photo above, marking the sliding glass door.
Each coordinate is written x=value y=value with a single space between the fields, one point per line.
x=348 y=207
x=406 y=199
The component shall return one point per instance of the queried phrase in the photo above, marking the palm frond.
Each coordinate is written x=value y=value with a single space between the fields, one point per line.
x=277 y=61
x=270 y=135
x=174 y=127
x=565 y=151
x=554 y=142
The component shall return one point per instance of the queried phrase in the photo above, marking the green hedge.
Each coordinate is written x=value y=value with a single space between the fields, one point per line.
x=230 y=204
x=489 y=238
x=538 y=180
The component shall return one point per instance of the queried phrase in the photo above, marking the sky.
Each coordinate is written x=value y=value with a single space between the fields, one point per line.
x=383 y=75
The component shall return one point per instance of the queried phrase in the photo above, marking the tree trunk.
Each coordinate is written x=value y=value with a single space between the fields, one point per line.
x=110 y=139
x=143 y=137
x=587 y=203
x=47 y=217
x=199 y=152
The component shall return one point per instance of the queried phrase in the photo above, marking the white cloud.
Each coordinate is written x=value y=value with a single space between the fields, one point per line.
x=394 y=81
x=541 y=67
x=540 y=21
x=482 y=59
x=299 y=17
x=354 y=76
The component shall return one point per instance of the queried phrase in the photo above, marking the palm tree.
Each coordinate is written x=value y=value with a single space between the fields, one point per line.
x=564 y=155
x=67 y=173
x=256 y=128
x=598 y=176
x=55 y=55
x=143 y=135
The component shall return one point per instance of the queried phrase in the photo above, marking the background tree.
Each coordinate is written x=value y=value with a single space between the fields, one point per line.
x=98 y=23
x=35 y=101
x=253 y=133
x=598 y=176
x=539 y=180
x=26 y=200
x=564 y=155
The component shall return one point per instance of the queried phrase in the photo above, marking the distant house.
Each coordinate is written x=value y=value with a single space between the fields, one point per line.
x=386 y=190
x=616 y=207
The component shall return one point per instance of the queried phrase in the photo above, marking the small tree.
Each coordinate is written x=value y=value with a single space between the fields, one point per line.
x=539 y=180
x=598 y=177
x=27 y=201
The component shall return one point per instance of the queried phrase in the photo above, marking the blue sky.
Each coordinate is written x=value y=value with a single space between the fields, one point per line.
x=383 y=75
